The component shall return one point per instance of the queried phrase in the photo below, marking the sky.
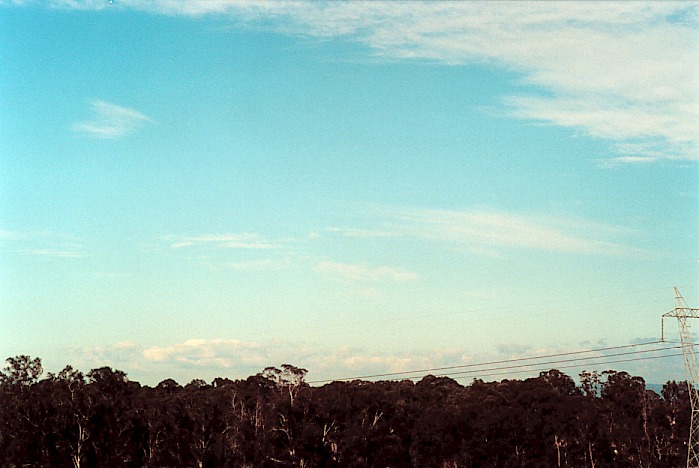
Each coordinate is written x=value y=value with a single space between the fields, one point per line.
x=204 y=188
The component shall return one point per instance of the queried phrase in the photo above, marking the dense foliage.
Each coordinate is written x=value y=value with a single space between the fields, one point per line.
x=275 y=419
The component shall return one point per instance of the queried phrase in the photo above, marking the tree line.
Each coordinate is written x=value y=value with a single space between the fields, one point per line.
x=275 y=419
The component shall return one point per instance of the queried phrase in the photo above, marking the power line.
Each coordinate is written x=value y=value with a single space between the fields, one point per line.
x=504 y=361
x=568 y=366
x=573 y=360
x=490 y=363
x=581 y=364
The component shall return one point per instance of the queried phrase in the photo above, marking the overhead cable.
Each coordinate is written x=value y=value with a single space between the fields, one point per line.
x=505 y=361
x=505 y=370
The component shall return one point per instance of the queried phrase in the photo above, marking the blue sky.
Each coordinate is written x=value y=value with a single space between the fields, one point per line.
x=205 y=188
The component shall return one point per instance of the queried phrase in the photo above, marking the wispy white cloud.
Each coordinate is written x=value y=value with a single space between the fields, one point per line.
x=364 y=272
x=252 y=265
x=242 y=252
x=80 y=4
x=626 y=73
x=6 y=235
x=619 y=160
x=111 y=121
x=226 y=241
x=52 y=253
x=490 y=232
x=42 y=244
x=362 y=233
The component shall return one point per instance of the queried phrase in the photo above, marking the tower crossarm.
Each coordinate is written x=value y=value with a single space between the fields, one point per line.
x=682 y=313
x=685 y=312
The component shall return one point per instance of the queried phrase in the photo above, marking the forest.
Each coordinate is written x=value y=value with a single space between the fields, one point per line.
x=274 y=418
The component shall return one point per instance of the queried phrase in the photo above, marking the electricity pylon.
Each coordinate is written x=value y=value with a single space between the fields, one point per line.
x=681 y=312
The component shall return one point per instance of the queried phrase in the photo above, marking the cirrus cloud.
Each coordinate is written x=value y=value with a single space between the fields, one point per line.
x=244 y=240
x=498 y=229
x=110 y=121
x=625 y=73
x=41 y=243
x=490 y=232
x=364 y=272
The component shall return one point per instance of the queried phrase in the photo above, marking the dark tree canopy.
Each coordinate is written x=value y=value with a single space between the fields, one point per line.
x=275 y=419
x=21 y=370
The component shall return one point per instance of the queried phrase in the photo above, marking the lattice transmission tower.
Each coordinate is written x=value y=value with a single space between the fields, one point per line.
x=681 y=312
